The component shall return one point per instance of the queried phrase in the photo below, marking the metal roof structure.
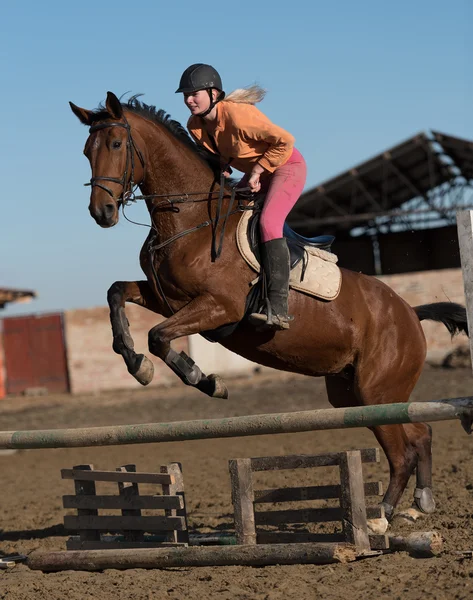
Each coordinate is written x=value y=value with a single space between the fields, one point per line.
x=8 y=295
x=459 y=150
x=416 y=184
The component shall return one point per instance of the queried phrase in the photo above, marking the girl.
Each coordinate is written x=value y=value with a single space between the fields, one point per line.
x=233 y=128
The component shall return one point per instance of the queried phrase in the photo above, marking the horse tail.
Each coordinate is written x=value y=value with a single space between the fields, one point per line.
x=451 y=314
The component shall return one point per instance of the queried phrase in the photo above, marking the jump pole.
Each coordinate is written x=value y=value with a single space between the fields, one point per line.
x=292 y=422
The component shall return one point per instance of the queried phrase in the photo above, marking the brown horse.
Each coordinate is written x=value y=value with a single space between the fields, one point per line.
x=368 y=343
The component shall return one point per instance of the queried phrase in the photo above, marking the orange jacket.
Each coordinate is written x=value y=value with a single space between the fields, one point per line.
x=245 y=135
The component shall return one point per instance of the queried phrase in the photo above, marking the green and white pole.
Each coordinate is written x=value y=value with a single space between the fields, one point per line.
x=293 y=422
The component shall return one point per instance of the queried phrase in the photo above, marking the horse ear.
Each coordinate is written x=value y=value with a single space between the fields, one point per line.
x=84 y=116
x=113 y=106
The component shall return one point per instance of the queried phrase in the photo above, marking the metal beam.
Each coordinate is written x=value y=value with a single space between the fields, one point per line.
x=403 y=177
x=332 y=204
x=368 y=216
x=359 y=183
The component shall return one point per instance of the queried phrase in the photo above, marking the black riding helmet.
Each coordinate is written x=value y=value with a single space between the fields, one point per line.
x=201 y=77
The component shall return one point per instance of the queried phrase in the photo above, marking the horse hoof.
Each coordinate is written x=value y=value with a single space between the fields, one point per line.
x=220 y=389
x=424 y=500
x=409 y=516
x=213 y=386
x=144 y=370
x=377 y=526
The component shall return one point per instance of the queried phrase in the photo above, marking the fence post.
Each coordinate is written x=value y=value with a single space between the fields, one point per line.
x=465 y=241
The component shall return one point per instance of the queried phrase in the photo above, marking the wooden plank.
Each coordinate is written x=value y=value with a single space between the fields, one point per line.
x=304 y=461
x=176 y=489
x=200 y=556
x=316 y=492
x=85 y=488
x=242 y=498
x=120 y=523
x=297 y=494
x=379 y=542
x=352 y=500
x=374 y=488
x=374 y=512
x=118 y=502
x=285 y=537
x=308 y=515
x=120 y=545
x=128 y=491
x=117 y=476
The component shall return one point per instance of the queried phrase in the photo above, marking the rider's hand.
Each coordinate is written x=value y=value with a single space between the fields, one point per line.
x=254 y=182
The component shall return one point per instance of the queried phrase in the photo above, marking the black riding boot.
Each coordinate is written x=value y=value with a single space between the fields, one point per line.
x=275 y=262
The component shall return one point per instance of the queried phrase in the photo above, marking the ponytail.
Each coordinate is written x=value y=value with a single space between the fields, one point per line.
x=249 y=95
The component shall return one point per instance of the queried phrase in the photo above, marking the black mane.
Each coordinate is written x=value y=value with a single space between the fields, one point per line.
x=161 y=117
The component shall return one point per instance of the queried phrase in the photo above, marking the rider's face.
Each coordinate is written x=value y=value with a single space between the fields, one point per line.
x=197 y=102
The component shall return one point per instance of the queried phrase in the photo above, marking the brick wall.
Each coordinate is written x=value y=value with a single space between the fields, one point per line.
x=2 y=364
x=92 y=364
x=425 y=287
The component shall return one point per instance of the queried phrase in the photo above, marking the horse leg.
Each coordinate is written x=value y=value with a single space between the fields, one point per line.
x=341 y=394
x=387 y=386
x=401 y=455
x=139 y=293
x=420 y=437
x=402 y=459
x=201 y=314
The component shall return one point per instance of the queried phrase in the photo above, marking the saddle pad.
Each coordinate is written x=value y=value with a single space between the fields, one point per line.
x=322 y=277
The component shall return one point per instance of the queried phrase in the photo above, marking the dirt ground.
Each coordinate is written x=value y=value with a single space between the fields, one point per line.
x=32 y=489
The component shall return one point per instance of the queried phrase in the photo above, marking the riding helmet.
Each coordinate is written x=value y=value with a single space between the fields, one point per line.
x=200 y=77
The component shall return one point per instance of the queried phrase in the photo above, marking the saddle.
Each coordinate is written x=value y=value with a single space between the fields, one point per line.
x=304 y=254
x=296 y=243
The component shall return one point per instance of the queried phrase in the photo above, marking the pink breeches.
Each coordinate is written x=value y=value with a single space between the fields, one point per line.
x=283 y=188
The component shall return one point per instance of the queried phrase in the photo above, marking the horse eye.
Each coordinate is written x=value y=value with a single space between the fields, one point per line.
x=116 y=144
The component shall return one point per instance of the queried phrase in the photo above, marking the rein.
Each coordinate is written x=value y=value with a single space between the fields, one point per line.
x=216 y=249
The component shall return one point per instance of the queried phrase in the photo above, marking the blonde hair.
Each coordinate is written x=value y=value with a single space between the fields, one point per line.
x=249 y=95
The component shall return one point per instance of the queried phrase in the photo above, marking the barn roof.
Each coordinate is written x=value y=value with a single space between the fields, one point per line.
x=11 y=295
x=382 y=184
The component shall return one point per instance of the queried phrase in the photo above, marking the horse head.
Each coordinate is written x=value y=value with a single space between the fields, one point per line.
x=117 y=163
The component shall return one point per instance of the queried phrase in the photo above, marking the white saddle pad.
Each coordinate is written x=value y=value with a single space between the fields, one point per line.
x=322 y=277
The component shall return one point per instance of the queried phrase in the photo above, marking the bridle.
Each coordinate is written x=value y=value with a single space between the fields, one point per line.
x=131 y=148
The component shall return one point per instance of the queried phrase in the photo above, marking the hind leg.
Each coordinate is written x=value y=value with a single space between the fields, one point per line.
x=420 y=437
x=402 y=459
x=400 y=452
x=341 y=394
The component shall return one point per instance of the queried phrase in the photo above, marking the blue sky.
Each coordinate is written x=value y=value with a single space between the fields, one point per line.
x=347 y=79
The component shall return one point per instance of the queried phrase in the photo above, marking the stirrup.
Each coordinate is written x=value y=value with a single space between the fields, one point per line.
x=268 y=320
x=277 y=322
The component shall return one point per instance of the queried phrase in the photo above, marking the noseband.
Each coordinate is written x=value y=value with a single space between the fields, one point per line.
x=127 y=188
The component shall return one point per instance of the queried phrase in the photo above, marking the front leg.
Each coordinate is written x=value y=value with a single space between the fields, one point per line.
x=201 y=314
x=139 y=293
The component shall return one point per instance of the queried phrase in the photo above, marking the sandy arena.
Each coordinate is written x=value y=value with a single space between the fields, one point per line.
x=32 y=490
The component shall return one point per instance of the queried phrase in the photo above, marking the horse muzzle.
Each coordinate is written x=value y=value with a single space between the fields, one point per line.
x=105 y=215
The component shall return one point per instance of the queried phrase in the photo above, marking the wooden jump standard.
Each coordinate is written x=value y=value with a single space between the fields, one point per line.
x=93 y=550
x=310 y=420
